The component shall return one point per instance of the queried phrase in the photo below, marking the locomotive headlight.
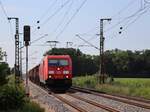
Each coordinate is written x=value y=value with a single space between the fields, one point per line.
x=50 y=76
x=65 y=72
x=51 y=72
x=67 y=76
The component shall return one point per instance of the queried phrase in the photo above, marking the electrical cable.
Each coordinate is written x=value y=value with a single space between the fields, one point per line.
x=49 y=8
x=147 y=1
x=43 y=15
x=87 y=42
x=38 y=38
x=135 y=19
x=137 y=14
x=66 y=13
x=125 y=19
x=4 y=11
x=32 y=42
x=51 y=16
x=90 y=39
x=124 y=8
x=66 y=25
x=128 y=24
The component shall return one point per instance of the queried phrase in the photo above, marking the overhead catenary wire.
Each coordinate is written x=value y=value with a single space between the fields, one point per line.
x=62 y=20
x=87 y=42
x=6 y=15
x=125 y=8
x=67 y=22
x=136 y=18
x=52 y=15
x=35 y=26
x=114 y=16
x=3 y=9
x=48 y=10
x=130 y=22
x=32 y=42
x=72 y=17
x=90 y=39
x=126 y=19
x=38 y=38
x=41 y=24
x=147 y=1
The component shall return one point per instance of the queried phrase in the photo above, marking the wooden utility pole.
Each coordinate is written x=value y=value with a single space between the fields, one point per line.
x=102 y=71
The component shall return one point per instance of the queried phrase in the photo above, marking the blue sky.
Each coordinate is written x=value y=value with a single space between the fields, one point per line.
x=85 y=22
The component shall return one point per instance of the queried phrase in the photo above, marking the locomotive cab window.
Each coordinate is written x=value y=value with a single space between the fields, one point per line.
x=59 y=62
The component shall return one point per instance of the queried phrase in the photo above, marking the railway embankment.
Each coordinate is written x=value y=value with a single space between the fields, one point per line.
x=46 y=100
x=135 y=87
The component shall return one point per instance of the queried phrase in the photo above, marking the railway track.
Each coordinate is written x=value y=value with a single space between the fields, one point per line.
x=82 y=100
x=109 y=109
x=128 y=100
x=105 y=108
x=80 y=109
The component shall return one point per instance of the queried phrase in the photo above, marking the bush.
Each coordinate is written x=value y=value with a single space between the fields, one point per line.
x=3 y=73
x=11 y=97
x=85 y=81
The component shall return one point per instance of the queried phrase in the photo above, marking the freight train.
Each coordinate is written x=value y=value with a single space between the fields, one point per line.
x=54 y=71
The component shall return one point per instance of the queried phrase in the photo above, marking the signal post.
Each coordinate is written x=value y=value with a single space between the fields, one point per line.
x=26 y=42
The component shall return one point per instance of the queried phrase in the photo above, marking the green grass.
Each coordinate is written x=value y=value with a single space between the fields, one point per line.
x=126 y=86
x=28 y=107
x=31 y=107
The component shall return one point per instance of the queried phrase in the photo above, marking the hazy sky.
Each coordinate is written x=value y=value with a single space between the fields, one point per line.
x=63 y=19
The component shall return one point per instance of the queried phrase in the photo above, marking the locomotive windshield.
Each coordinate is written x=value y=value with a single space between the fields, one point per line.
x=58 y=62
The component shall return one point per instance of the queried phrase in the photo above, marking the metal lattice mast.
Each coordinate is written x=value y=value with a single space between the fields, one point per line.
x=102 y=63
x=17 y=73
x=21 y=60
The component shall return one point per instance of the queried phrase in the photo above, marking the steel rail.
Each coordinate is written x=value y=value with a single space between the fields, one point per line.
x=140 y=99
x=48 y=92
x=108 y=108
x=115 y=97
x=69 y=103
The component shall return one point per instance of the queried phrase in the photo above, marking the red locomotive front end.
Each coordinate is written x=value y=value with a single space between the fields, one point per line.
x=56 y=71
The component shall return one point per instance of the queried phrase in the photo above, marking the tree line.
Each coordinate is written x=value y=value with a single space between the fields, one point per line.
x=4 y=69
x=118 y=63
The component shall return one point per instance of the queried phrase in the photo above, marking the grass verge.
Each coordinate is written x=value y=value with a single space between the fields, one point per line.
x=137 y=87
x=31 y=107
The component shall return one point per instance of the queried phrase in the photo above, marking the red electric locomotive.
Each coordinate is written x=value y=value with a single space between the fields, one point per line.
x=54 y=71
